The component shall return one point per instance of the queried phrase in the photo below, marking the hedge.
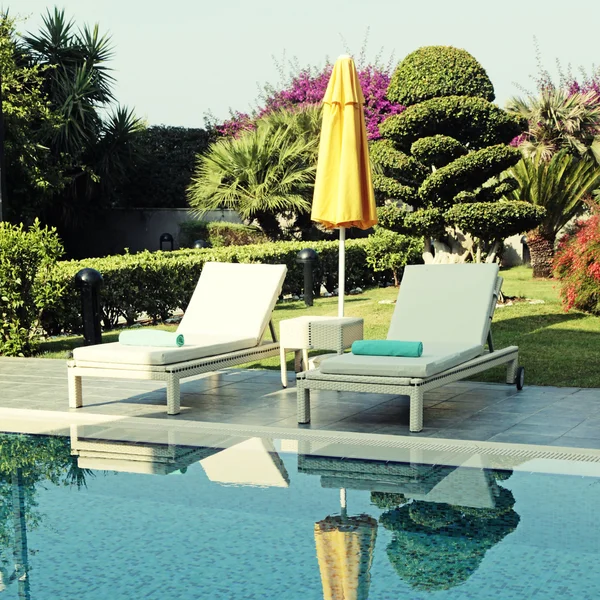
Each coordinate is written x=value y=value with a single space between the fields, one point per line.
x=434 y=71
x=472 y=121
x=219 y=233
x=157 y=283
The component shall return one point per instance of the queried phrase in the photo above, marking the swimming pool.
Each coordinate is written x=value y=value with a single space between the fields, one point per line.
x=89 y=517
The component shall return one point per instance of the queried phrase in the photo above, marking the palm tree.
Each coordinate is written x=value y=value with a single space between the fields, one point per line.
x=559 y=120
x=560 y=185
x=266 y=175
x=94 y=142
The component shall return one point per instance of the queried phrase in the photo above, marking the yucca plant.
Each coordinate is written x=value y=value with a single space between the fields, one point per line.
x=265 y=175
x=560 y=185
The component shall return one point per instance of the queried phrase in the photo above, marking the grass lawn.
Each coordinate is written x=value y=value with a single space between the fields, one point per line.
x=556 y=348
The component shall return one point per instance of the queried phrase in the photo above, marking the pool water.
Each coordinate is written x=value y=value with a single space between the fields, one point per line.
x=277 y=519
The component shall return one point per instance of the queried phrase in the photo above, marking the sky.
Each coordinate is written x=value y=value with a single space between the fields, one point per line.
x=176 y=61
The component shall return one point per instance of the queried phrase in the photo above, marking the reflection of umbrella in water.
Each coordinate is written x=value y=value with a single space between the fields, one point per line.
x=343 y=195
x=345 y=552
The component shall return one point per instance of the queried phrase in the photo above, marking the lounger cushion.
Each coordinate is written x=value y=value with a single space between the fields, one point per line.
x=435 y=359
x=233 y=300
x=448 y=304
x=195 y=347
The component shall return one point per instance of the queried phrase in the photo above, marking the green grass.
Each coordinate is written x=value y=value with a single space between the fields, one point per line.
x=556 y=348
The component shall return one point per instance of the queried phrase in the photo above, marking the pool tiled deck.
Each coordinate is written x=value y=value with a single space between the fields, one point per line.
x=472 y=411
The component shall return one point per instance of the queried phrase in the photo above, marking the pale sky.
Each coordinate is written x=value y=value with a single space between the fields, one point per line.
x=175 y=61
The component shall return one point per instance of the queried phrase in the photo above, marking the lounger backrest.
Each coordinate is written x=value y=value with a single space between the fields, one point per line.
x=445 y=303
x=233 y=299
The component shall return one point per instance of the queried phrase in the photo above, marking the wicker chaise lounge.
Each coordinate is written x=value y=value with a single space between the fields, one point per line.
x=223 y=326
x=447 y=307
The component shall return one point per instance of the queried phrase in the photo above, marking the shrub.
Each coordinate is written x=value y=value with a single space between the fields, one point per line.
x=472 y=169
x=27 y=284
x=307 y=87
x=157 y=283
x=577 y=267
x=437 y=150
x=390 y=251
x=492 y=220
x=472 y=121
x=450 y=72
x=220 y=233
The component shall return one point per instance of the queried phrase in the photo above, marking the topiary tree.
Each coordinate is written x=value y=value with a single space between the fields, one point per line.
x=438 y=546
x=444 y=156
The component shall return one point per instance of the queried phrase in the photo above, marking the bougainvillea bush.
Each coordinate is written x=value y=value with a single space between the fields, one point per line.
x=308 y=88
x=577 y=266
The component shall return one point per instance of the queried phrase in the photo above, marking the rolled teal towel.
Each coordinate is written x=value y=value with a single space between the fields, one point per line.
x=387 y=348
x=150 y=337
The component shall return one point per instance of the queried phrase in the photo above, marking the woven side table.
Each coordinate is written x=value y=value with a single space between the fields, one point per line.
x=321 y=333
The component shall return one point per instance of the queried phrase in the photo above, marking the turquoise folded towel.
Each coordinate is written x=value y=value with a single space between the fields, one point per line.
x=150 y=337
x=387 y=348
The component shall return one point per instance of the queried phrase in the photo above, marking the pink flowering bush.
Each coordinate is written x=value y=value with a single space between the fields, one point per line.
x=308 y=88
x=577 y=266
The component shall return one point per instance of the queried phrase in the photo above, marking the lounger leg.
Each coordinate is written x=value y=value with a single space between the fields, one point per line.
x=303 y=396
x=283 y=365
x=416 y=409
x=511 y=370
x=75 y=389
x=305 y=366
x=298 y=361
x=173 y=395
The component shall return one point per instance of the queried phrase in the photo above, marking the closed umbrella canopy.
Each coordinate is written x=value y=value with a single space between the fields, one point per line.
x=343 y=195
x=345 y=552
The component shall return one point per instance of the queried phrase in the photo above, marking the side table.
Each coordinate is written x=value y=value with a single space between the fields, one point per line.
x=302 y=334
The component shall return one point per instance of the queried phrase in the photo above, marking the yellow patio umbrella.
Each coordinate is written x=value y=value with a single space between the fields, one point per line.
x=343 y=195
x=345 y=552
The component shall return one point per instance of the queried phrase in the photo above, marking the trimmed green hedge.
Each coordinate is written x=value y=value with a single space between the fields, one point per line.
x=157 y=283
x=219 y=233
x=434 y=71
x=472 y=121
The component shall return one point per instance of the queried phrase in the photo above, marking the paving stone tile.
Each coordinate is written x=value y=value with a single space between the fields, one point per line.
x=467 y=410
x=576 y=442
x=523 y=438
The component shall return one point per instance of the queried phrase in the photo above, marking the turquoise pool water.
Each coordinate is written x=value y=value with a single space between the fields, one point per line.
x=266 y=519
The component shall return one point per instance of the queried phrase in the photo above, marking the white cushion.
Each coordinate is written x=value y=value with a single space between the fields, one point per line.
x=435 y=359
x=233 y=300
x=195 y=347
x=445 y=304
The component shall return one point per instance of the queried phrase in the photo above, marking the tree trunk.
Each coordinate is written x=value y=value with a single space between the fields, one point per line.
x=541 y=249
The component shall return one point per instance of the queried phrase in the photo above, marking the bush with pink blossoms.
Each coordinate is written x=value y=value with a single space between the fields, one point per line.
x=577 y=267
x=308 y=88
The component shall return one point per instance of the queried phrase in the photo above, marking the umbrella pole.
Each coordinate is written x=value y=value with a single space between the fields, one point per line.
x=343 y=504
x=342 y=272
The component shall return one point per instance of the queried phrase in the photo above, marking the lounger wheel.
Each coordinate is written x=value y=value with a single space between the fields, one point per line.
x=520 y=378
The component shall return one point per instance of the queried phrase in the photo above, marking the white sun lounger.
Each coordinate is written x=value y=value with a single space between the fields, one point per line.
x=447 y=307
x=223 y=326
